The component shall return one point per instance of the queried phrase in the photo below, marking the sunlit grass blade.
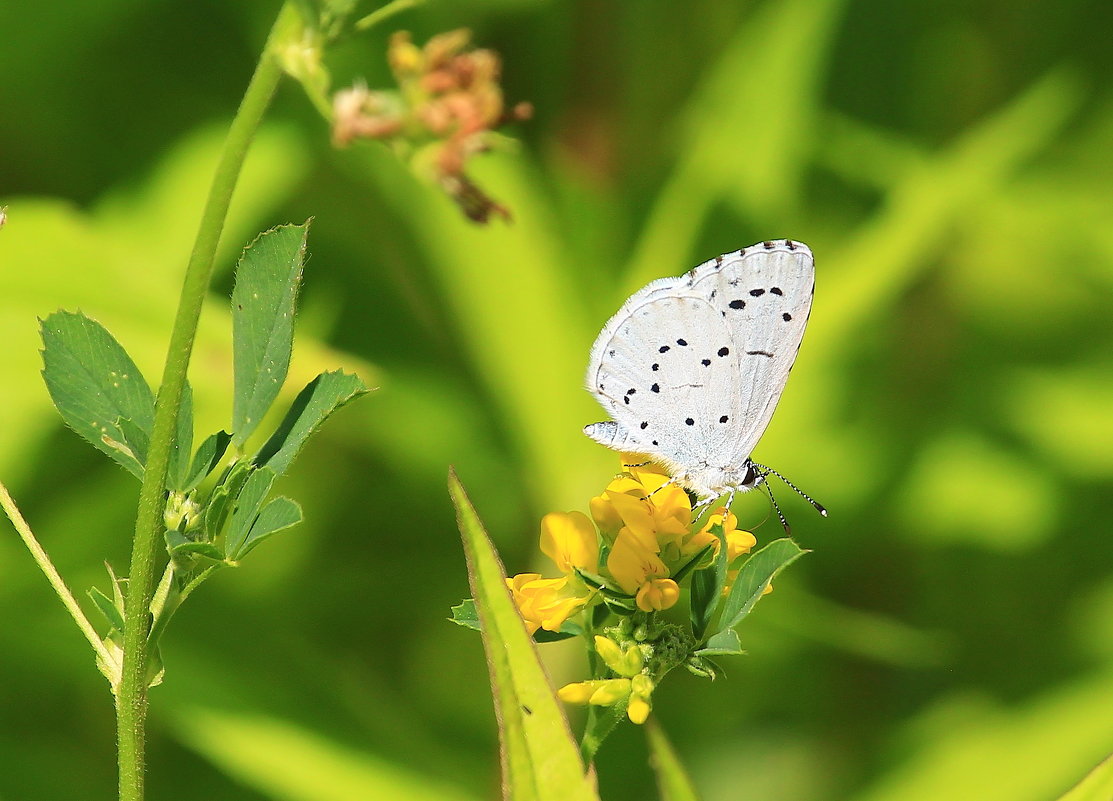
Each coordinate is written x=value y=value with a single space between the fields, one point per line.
x=97 y=388
x=673 y=781
x=284 y=761
x=263 y=303
x=540 y=760
x=320 y=398
x=1097 y=786
x=748 y=133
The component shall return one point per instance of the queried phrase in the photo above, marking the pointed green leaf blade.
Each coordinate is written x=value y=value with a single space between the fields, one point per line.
x=178 y=473
x=725 y=643
x=208 y=456
x=107 y=608
x=321 y=397
x=267 y=279
x=540 y=760
x=279 y=514
x=673 y=781
x=246 y=509
x=97 y=388
x=464 y=614
x=754 y=577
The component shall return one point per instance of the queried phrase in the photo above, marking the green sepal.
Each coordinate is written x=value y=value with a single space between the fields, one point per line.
x=97 y=388
x=320 y=398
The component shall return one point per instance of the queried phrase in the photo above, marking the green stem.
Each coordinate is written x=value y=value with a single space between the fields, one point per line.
x=52 y=575
x=131 y=695
x=385 y=12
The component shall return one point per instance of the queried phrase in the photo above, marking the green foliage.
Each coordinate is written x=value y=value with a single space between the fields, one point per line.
x=97 y=388
x=540 y=759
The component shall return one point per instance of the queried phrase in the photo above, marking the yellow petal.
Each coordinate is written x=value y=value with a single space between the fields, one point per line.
x=569 y=539
x=631 y=562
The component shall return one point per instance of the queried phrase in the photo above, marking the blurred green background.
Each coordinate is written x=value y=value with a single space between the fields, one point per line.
x=950 y=164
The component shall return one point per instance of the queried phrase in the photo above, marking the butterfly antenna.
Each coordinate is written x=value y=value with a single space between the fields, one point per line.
x=772 y=500
x=818 y=506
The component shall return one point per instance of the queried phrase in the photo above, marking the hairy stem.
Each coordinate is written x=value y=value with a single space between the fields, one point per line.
x=40 y=556
x=131 y=696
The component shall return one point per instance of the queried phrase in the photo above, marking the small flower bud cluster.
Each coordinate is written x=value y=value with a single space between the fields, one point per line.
x=446 y=109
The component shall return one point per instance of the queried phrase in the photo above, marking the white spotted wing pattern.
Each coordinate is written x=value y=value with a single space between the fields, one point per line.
x=690 y=369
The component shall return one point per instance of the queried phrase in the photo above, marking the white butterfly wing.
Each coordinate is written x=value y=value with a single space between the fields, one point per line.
x=765 y=295
x=691 y=368
x=657 y=370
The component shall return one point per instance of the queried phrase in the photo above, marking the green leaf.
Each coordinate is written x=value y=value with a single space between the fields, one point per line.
x=707 y=587
x=178 y=472
x=225 y=493
x=97 y=388
x=107 y=608
x=1097 y=786
x=263 y=303
x=754 y=577
x=208 y=456
x=673 y=782
x=321 y=397
x=725 y=643
x=464 y=614
x=540 y=758
x=246 y=510
x=279 y=514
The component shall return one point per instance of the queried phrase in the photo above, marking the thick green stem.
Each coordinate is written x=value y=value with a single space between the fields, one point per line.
x=131 y=696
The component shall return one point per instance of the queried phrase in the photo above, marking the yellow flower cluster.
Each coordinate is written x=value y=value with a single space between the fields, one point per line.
x=644 y=521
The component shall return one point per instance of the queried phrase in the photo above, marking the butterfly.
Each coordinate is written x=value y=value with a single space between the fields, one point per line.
x=690 y=369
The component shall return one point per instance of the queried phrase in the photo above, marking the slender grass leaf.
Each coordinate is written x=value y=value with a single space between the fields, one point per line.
x=321 y=397
x=754 y=577
x=263 y=303
x=246 y=510
x=208 y=456
x=540 y=761
x=279 y=514
x=673 y=782
x=97 y=388
x=285 y=761
x=178 y=472
x=1097 y=786
x=707 y=588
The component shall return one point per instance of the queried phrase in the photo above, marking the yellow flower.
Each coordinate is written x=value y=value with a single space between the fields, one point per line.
x=641 y=687
x=644 y=501
x=541 y=602
x=657 y=594
x=569 y=539
x=598 y=692
x=738 y=541
x=631 y=563
x=628 y=662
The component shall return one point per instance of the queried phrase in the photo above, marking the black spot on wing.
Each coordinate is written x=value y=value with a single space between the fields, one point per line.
x=737 y=304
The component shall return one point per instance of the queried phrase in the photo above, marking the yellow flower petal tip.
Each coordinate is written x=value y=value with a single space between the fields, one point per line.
x=658 y=594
